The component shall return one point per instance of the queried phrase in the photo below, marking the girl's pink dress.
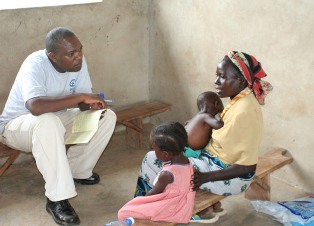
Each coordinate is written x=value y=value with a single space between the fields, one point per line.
x=174 y=204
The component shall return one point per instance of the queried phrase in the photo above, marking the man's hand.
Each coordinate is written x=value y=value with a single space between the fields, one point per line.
x=94 y=101
x=41 y=105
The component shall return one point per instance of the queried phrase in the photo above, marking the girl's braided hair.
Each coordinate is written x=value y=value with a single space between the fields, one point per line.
x=170 y=136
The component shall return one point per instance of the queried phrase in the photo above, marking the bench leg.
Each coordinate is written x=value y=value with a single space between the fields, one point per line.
x=133 y=137
x=10 y=160
x=259 y=189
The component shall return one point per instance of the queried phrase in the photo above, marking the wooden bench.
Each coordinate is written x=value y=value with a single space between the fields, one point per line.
x=7 y=152
x=259 y=189
x=132 y=117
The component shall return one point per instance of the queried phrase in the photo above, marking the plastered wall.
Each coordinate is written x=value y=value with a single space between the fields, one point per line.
x=114 y=35
x=189 y=38
x=168 y=50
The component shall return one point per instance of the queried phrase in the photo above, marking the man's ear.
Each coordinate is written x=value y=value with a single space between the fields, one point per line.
x=52 y=56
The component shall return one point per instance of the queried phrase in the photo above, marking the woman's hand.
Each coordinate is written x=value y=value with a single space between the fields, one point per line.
x=229 y=173
x=198 y=179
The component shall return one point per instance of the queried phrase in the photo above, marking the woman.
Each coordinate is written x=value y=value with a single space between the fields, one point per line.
x=229 y=164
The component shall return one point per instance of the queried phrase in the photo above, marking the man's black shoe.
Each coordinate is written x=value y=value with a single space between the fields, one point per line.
x=62 y=212
x=93 y=179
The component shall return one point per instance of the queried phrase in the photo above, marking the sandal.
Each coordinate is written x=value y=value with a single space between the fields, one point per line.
x=220 y=213
x=210 y=219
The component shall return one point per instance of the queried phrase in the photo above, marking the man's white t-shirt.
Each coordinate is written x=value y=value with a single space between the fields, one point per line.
x=37 y=77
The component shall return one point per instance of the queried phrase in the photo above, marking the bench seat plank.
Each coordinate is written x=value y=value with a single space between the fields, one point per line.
x=267 y=163
x=132 y=117
x=141 y=110
x=140 y=222
x=204 y=199
x=271 y=161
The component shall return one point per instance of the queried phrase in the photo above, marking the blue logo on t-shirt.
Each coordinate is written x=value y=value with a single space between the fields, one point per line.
x=72 y=83
x=72 y=86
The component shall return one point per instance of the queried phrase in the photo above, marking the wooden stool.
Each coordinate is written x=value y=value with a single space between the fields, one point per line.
x=11 y=153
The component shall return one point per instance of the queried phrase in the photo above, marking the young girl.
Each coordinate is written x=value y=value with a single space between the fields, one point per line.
x=172 y=198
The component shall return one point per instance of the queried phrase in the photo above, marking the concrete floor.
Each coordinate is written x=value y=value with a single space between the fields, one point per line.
x=22 y=200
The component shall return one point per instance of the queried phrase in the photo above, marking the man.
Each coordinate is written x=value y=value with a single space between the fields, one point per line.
x=38 y=116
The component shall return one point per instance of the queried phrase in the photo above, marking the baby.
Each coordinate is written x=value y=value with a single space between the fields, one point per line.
x=199 y=128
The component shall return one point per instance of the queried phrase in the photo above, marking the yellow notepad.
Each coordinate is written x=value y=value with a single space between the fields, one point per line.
x=84 y=127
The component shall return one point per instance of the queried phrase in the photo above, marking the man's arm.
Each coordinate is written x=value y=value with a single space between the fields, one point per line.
x=224 y=174
x=41 y=105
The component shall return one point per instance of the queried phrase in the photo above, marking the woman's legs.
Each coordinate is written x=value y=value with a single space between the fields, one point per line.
x=150 y=168
x=233 y=186
x=228 y=187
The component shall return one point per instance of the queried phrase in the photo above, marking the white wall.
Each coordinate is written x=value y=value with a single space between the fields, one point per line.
x=114 y=35
x=189 y=38
x=168 y=49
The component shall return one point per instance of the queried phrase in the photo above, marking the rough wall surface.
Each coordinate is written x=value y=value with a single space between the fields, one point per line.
x=139 y=50
x=189 y=38
x=114 y=35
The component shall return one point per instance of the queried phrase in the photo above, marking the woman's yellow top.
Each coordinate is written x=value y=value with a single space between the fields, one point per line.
x=238 y=141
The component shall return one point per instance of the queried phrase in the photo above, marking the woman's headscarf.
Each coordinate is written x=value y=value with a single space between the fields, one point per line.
x=252 y=71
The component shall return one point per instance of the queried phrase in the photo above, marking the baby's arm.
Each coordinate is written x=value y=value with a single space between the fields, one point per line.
x=214 y=122
x=218 y=117
x=165 y=178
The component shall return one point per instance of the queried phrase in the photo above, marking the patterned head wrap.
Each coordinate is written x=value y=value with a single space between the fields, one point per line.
x=252 y=71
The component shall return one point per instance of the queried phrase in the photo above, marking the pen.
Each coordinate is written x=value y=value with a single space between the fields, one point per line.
x=102 y=96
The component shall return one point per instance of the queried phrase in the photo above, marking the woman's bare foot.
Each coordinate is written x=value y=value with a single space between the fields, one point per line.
x=218 y=210
x=211 y=211
x=217 y=207
x=206 y=213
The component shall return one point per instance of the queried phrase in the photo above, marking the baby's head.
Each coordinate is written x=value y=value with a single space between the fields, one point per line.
x=168 y=139
x=209 y=102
